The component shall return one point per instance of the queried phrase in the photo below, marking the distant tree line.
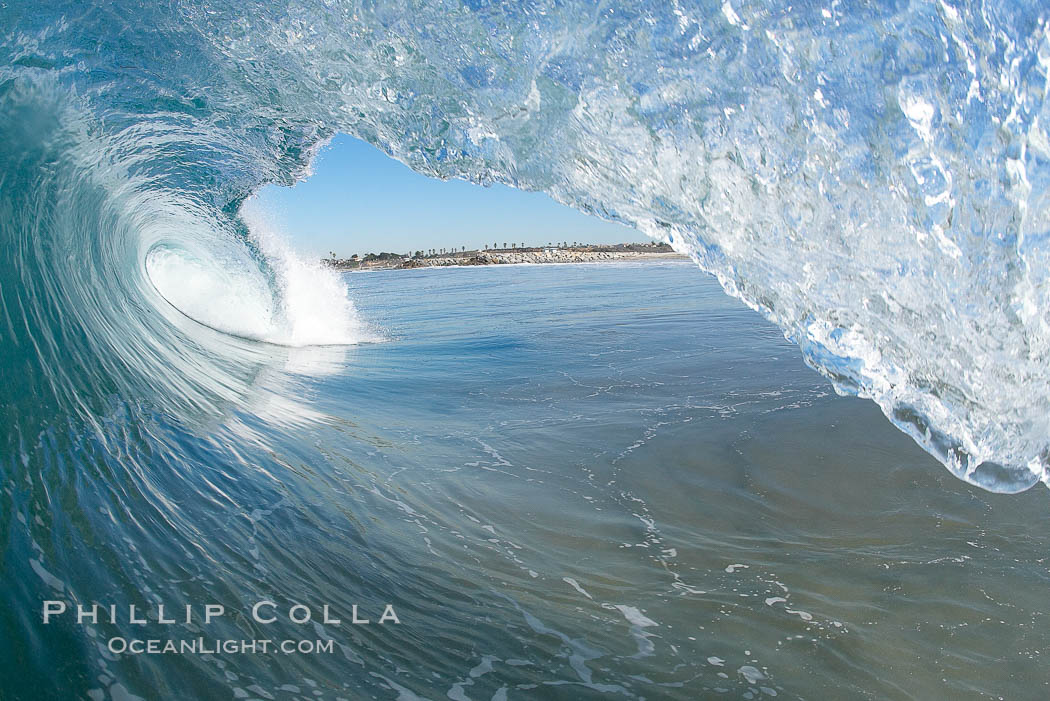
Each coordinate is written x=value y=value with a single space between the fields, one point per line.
x=388 y=256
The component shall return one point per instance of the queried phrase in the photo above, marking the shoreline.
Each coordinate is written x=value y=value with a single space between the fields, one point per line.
x=543 y=256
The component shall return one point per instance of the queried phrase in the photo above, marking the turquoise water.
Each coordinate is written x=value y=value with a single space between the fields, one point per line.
x=570 y=481
x=872 y=178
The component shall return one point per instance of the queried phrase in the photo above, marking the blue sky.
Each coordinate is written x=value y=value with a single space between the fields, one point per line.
x=360 y=200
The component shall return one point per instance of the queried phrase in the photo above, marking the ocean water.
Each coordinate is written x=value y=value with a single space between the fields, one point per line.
x=194 y=414
x=571 y=481
x=872 y=178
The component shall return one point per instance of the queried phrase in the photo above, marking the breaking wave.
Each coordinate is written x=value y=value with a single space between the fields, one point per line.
x=873 y=178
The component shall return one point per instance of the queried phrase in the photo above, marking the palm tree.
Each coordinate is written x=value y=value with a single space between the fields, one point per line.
x=504 y=244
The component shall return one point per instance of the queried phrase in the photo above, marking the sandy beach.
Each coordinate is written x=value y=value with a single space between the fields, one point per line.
x=513 y=256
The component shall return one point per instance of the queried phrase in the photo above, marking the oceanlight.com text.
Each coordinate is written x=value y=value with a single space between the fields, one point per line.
x=204 y=646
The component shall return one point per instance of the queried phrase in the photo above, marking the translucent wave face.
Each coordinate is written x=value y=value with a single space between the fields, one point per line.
x=873 y=178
